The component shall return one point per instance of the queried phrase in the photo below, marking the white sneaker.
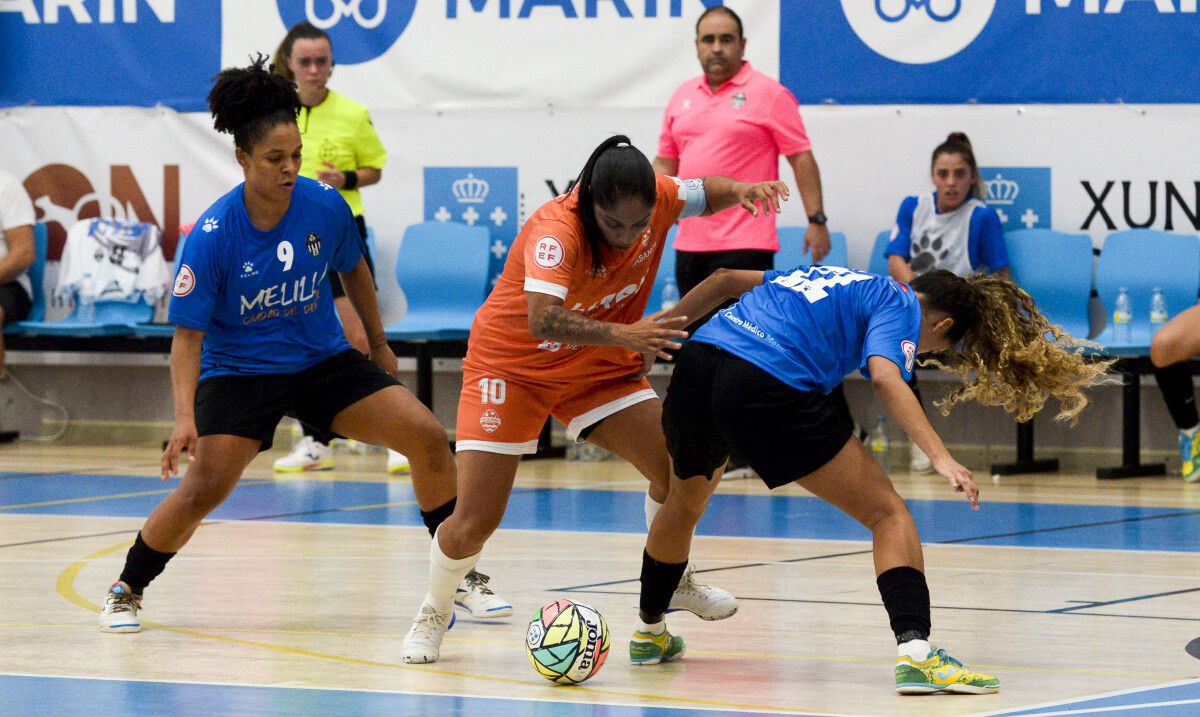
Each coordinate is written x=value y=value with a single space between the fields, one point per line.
x=919 y=462
x=307 y=455
x=423 y=643
x=704 y=601
x=477 y=598
x=397 y=462
x=120 y=610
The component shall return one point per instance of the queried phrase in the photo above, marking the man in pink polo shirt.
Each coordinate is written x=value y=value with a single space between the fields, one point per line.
x=734 y=121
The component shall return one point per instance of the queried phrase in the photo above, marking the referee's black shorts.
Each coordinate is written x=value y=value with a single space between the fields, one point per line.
x=251 y=406
x=717 y=402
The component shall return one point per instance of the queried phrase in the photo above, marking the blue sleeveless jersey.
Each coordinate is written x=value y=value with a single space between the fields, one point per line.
x=263 y=299
x=810 y=326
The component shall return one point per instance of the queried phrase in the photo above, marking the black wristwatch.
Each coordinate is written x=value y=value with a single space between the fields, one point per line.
x=818 y=218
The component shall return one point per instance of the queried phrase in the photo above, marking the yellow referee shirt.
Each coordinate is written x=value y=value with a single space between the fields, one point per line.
x=339 y=130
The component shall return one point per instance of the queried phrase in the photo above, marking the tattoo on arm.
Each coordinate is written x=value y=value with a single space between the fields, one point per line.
x=569 y=327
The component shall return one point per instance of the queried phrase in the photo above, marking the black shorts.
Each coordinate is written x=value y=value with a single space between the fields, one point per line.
x=15 y=302
x=717 y=402
x=334 y=279
x=251 y=406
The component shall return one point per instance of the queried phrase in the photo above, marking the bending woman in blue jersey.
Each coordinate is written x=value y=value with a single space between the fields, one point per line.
x=257 y=336
x=757 y=377
x=950 y=228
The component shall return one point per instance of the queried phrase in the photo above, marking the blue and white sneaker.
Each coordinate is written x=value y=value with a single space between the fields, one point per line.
x=474 y=596
x=120 y=610
x=1189 y=456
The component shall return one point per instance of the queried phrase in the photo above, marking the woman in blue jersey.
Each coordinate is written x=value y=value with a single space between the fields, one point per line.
x=950 y=228
x=257 y=336
x=757 y=379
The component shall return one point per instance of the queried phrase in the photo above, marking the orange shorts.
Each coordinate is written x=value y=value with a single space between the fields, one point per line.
x=501 y=413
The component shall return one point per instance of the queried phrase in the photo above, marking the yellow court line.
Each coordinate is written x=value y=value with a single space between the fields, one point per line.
x=66 y=588
x=87 y=499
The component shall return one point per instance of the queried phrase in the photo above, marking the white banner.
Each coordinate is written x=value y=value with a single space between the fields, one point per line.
x=1075 y=168
x=454 y=54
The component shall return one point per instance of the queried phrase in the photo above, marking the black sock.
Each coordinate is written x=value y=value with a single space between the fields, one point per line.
x=906 y=598
x=659 y=581
x=434 y=518
x=143 y=564
x=1175 y=382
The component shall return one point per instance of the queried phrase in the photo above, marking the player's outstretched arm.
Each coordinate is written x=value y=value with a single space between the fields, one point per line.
x=722 y=193
x=185 y=374
x=551 y=321
x=360 y=290
x=719 y=287
x=904 y=407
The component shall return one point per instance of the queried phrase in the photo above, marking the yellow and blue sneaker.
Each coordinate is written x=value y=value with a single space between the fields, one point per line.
x=646 y=648
x=1189 y=460
x=940 y=672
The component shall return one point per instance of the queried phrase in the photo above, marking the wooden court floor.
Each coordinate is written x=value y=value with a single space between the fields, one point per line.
x=294 y=598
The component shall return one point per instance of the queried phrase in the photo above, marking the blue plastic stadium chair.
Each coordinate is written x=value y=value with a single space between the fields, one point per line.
x=1056 y=269
x=878 y=263
x=791 y=249
x=442 y=268
x=163 y=330
x=37 y=275
x=1140 y=260
x=666 y=268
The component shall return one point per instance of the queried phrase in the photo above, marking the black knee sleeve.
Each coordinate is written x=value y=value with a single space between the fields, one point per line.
x=434 y=518
x=906 y=597
x=659 y=581
x=143 y=564
x=1175 y=382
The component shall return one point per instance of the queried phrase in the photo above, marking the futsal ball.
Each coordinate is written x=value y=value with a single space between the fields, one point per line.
x=567 y=642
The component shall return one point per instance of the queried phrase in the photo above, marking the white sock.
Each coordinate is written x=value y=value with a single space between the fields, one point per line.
x=915 y=650
x=652 y=507
x=654 y=628
x=445 y=575
x=1190 y=431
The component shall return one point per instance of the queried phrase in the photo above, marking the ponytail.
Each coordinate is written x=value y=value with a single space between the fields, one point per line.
x=1005 y=351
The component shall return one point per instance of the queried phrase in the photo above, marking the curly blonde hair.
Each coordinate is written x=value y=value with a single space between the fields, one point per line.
x=1009 y=355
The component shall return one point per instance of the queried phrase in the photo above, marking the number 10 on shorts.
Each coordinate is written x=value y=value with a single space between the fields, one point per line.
x=492 y=390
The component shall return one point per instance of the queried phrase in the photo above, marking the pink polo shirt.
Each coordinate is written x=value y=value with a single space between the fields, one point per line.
x=738 y=131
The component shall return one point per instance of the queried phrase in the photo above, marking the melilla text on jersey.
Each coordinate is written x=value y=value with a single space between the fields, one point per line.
x=281 y=300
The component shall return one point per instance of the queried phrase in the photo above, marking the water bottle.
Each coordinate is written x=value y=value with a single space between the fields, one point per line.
x=1123 y=316
x=87 y=301
x=87 y=309
x=670 y=294
x=879 y=444
x=1158 y=309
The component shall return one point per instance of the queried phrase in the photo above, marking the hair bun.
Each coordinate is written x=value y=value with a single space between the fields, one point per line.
x=958 y=138
x=244 y=94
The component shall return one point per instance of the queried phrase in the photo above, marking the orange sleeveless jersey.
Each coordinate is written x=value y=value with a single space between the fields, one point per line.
x=551 y=256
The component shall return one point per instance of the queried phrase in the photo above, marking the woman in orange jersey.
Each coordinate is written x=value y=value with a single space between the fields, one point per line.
x=563 y=334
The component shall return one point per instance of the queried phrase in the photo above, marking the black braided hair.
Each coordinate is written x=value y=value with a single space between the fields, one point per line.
x=248 y=102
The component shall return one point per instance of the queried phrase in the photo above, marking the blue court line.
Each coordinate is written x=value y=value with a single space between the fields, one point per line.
x=21 y=694
x=560 y=509
x=1175 y=700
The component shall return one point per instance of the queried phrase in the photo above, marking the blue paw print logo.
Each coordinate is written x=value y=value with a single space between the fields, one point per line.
x=209 y=224
x=247 y=267
x=927 y=252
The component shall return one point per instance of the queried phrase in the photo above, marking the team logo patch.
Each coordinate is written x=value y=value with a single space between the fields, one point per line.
x=548 y=253
x=490 y=420
x=738 y=101
x=184 y=282
x=313 y=243
x=910 y=354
